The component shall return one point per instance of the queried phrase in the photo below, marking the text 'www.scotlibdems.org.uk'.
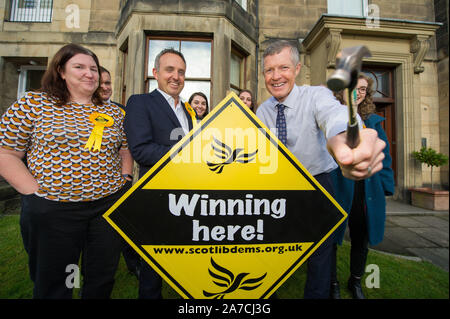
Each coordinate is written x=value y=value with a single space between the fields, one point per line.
x=235 y=249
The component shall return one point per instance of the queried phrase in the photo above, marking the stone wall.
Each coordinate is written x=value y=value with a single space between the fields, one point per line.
x=290 y=20
x=293 y=19
x=442 y=69
x=413 y=10
x=430 y=117
x=87 y=22
x=441 y=13
x=222 y=21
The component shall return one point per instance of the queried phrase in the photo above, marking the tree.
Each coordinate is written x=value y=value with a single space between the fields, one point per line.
x=430 y=157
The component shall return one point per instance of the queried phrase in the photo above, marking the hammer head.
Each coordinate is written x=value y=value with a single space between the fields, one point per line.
x=348 y=66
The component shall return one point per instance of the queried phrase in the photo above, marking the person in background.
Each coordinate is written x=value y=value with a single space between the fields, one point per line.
x=131 y=257
x=155 y=122
x=311 y=123
x=72 y=177
x=364 y=199
x=247 y=97
x=105 y=88
x=199 y=102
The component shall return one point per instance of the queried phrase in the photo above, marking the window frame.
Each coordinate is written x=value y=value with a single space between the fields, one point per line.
x=242 y=67
x=364 y=8
x=180 y=38
x=23 y=77
x=36 y=14
x=124 y=55
x=243 y=4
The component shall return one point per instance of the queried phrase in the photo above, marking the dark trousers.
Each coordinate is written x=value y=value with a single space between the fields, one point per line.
x=318 y=278
x=54 y=235
x=150 y=283
x=132 y=258
x=359 y=236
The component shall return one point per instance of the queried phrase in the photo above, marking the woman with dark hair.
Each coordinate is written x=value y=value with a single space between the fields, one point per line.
x=78 y=164
x=247 y=97
x=364 y=200
x=199 y=102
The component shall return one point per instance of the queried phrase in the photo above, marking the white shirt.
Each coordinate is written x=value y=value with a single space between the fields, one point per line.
x=313 y=115
x=178 y=110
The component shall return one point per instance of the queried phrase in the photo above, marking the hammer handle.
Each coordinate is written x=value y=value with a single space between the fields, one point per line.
x=352 y=126
x=352 y=135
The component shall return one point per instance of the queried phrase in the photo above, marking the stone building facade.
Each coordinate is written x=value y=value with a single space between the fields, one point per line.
x=223 y=41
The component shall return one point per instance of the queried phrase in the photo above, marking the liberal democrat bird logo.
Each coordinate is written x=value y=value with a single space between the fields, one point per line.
x=228 y=156
x=223 y=277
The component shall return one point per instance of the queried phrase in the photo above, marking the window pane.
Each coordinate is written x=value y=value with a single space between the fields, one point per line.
x=46 y=3
x=243 y=4
x=375 y=84
x=198 y=58
x=381 y=83
x=152 y=84
x=346 y=7
x=190 y=87
x=34 y=79
x=31 y=11
x=235 y=91
x=235 y=70
x=30 y=4
x=156 y=46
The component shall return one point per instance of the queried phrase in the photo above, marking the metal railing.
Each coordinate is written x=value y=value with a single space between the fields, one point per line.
x=31 y=10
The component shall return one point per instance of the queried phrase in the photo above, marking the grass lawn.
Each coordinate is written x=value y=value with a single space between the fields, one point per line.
x=399 y=278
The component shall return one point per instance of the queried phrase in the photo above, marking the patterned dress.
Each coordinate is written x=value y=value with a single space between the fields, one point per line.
x=53 y=139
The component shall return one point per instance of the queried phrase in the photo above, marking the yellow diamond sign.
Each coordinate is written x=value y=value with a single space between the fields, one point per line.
x=228 y=212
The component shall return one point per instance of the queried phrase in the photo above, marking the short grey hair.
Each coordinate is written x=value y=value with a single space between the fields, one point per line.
x=277 y=46
x=165 y=51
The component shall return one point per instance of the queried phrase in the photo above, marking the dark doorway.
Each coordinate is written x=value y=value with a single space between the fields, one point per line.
x=384 y=99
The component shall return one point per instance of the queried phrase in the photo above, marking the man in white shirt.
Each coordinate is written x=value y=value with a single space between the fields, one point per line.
x=312 y=123
x=154 y=122
x=178 y=109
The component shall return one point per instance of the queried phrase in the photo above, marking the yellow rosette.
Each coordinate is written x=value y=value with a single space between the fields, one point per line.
x=191 y=113
x=100 y=121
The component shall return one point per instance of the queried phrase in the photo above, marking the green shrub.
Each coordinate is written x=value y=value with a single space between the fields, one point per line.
x=431 y=158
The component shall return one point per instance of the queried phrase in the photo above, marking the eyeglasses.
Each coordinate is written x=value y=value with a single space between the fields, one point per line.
x=362 y=89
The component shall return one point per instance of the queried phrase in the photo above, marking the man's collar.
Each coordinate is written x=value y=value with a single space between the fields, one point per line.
x=289 y=101
x=169 y=98
x=166 y=96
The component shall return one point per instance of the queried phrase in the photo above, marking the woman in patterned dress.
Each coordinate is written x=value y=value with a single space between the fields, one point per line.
x=77 y=165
